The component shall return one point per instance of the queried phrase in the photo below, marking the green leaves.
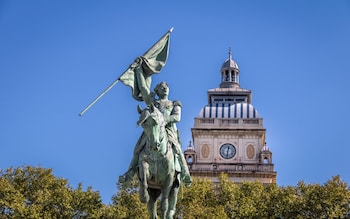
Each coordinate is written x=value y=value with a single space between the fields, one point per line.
x=34 y=192
x=200 y=201
x=331 y=200
x=255 y=200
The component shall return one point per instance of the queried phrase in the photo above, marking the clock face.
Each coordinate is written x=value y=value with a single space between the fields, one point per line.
x=227 y=151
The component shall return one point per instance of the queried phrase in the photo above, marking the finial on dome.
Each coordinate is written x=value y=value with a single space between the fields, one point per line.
x=190 y=145
x=265 y=148
x=229 y=72
x=230 y=53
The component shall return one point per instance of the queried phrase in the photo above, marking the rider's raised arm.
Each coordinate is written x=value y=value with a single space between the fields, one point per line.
x=144 y=84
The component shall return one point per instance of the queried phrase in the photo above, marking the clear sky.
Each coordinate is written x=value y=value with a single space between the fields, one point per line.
x=57 y=56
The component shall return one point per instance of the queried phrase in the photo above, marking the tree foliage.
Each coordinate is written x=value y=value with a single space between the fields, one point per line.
x=126 y=203
x=34 y=192
x=199 y=201
x=255 y=200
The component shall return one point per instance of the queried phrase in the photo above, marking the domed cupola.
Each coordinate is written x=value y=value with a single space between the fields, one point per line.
x=229 y=73
x=228 y=111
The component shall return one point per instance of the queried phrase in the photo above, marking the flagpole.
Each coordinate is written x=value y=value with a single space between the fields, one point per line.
x=99 y=97
x=116 y=81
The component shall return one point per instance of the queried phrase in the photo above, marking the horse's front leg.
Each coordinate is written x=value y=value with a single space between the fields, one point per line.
x=172 y=202
x=152 y=205
x=144 y=196
x=164 y=201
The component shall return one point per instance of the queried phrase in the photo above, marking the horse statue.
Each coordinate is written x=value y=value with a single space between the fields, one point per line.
x=158 y=167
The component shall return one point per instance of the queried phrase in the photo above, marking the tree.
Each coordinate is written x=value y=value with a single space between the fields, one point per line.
x=34 y=192
x=288 y=203
x=86 y=204
x=227 y=192
x=41 y=194
x=199 y=201
x=336 y=198
x=126 y=203
x=11 y=200
x=332 y=200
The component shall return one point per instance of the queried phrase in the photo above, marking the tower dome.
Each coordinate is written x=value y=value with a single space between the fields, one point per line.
x=229 y=63
x=227 y=111
x=229 y=73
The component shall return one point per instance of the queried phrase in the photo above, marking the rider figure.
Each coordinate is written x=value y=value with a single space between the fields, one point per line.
x=172 y=114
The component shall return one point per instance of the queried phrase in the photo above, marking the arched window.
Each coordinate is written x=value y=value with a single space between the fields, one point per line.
x=266 y=161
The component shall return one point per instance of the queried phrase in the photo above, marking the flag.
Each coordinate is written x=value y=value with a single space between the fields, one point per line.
x=151 y=63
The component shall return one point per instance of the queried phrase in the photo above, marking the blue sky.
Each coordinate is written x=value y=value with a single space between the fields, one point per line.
x=57 y=56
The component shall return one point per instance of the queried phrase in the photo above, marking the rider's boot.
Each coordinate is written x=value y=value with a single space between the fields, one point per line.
x=185 y=173
x=187 y=179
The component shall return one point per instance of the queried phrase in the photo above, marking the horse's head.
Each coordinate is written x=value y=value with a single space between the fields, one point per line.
x=153 y=123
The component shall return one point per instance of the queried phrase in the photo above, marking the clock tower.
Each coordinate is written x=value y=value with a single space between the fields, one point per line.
x=228 y=134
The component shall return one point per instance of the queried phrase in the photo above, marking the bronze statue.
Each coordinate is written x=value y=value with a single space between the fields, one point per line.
x=157 y=158
x=171 y=111
x=154 y=175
